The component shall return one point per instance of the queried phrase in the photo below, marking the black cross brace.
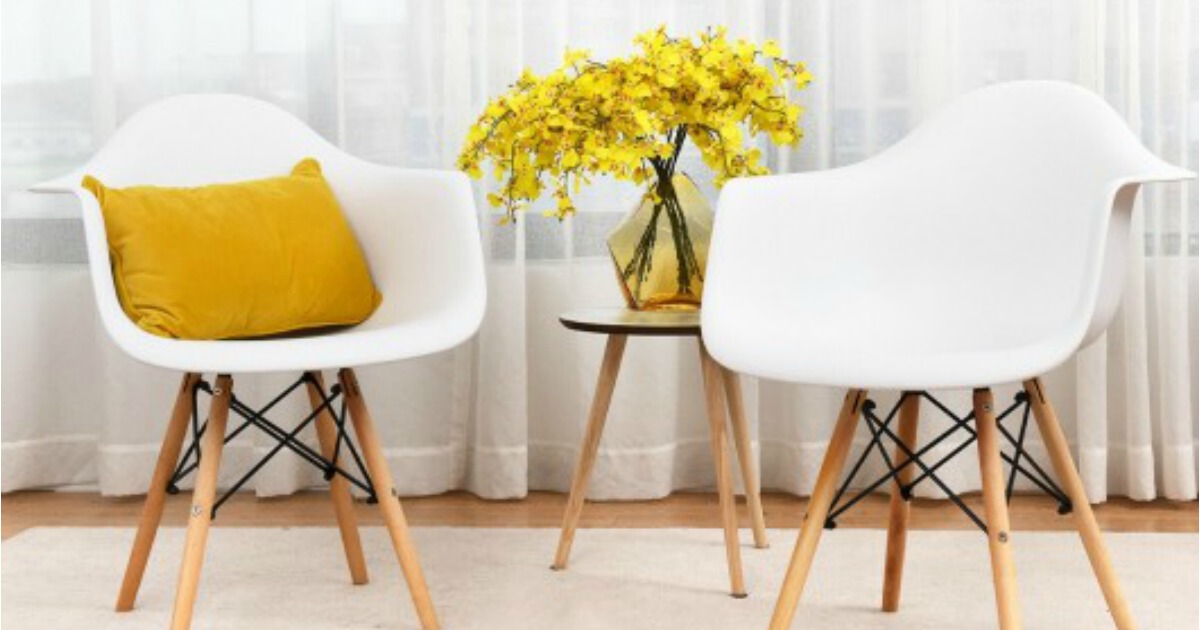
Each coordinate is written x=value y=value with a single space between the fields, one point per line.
x=1019 y=462
x=284 y=439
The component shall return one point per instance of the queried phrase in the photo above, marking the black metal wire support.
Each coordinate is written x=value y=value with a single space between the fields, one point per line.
x=1020 y=462
x=284 y=439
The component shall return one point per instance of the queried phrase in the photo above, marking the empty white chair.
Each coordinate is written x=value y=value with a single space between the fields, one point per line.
x=985 y=248
x=418 y=230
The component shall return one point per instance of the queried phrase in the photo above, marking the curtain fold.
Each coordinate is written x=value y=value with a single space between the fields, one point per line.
x=400 y=83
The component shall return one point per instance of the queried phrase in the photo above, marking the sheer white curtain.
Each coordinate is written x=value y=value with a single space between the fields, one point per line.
x=400 y=82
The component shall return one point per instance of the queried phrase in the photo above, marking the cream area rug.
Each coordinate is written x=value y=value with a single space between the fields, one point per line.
x=621 y=578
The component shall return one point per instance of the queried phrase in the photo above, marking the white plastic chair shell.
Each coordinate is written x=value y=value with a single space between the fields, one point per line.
x=984 y=248
x=418 y=230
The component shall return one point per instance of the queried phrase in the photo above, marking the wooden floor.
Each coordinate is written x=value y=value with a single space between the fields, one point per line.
x=23 y=510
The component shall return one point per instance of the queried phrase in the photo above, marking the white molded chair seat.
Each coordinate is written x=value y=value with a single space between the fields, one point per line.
x=418 y=230
x=986 y=247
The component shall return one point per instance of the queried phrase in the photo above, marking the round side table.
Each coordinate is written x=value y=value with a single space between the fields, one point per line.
x=720 y=385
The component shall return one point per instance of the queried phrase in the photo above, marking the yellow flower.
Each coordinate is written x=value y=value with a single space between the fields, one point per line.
x=628 y=118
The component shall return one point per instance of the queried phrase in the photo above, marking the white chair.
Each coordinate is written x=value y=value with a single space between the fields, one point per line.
x=985 y=248
x=419 y=232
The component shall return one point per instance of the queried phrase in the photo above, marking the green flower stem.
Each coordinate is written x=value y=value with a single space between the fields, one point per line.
x=638 y=267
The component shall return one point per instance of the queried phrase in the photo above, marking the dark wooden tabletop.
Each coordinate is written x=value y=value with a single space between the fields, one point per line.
x=623 y=321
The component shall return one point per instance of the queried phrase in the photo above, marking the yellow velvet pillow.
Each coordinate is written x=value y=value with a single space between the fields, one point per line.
x=236 y=260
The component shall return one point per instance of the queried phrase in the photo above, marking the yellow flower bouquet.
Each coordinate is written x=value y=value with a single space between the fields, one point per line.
x=628 y=118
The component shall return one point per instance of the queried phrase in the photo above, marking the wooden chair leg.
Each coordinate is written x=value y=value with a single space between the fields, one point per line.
x=339 y=488
x=1004 y=576
x=168 y=456
x=714 y=397
x=605 y=384
x=389 y=500
x=818 y=510
x=1085 y=521
x=202 y=504
x=741 y=440
x=897 y=536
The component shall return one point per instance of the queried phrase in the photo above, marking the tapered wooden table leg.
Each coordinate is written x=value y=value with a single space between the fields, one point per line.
x=613 y=351
x=1085 y=521
x=168 y=456
x=714 y=394
x=389 y=501
x=741 y=440
x=893 y=570
x=339 y=488
x=818 y=510
x=202 y=504
x=1004 y=575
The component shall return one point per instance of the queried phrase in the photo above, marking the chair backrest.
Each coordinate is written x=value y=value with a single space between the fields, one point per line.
x=199 y=139
x=1002 y=218
x=418 y=228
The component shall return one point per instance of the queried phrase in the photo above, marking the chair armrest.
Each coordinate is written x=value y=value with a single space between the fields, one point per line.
x=420 y=232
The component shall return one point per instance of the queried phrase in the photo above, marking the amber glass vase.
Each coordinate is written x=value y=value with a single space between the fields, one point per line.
x=661 y=248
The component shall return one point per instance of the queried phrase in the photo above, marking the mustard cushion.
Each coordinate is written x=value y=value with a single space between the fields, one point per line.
x=236 y=260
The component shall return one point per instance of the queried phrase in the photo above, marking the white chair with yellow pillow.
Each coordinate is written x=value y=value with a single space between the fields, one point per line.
x=184 y=276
